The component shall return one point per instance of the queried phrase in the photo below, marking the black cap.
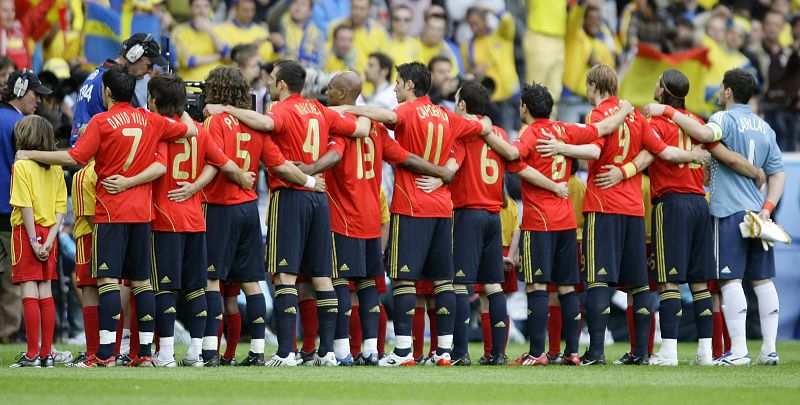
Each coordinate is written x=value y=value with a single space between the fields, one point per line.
x=34 y=83
x=152 y=48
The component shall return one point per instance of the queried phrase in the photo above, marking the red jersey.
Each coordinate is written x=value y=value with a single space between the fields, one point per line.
x=426 y=130
x=543 y=210
x=302 y=128
x=185 y=159
x=123 y=140
x=244 y=146
x=478 y=184
x=666 y=177
x=354 y=185
x=618 y=149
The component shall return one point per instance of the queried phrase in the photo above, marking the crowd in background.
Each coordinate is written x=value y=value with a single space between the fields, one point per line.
x=499 y=43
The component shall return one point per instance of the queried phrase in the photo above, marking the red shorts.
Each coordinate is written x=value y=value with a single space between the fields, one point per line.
x=509 y=284
x=713 y=286
x=83 y=262
x=229 y=290
x=380 y=284
x=25 y=264
x=424 y=287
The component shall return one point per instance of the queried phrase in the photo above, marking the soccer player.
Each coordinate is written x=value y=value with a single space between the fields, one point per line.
x=236 y=256
x=731 y=196
x=122 y=140
x=421 y=239
x=299 y=236
x=354 y=194
x=549 y=240
x=615 y=214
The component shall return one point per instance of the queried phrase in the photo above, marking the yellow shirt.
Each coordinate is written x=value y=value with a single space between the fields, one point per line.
x=405 y=50
x=190 y=43
x=548 y=17
x=371 y=37
x=426 y=53
x=350 y=62
x=579 y=47
x=304 y=44
x=67 y=46
x=648 y=206
x=576 y=192
x=83 y=199
x=496 y=51
x=44 y=190
x=509 y=220
x=385 y=216
x=232 y=34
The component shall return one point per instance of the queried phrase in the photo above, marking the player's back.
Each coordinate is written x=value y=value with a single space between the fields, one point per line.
x=666 y=177
x=241 y=144
x=478 y=183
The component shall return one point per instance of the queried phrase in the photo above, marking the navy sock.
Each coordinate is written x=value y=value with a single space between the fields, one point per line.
x=703 y=314
x=256 y=312
x=145 y=313
x=343 y=316
x=498 y=315
x=213 y=319
x=445 y=313
x=109 y=311
x=198 y=312
x=327 y=313
x=570 y=321
x=670 y=313
x=642 y=311
x=537 y=321
x=404 y=300
x=285 y=317
x=165 y=313
x=598 y=308
x=368 y=308
x=460 y=333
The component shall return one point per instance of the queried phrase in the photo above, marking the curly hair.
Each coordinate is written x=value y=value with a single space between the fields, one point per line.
x=227 y=85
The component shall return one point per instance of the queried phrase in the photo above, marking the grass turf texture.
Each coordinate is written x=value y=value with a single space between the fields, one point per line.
x=462 y=385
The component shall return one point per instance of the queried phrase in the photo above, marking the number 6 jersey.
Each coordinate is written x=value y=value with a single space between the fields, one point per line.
x=478 y=183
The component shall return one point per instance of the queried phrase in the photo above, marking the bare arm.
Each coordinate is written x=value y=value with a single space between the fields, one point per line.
x=614 y=175
x=118 y=183
x=250 y=118
x=419 y=165
x=52 y=234
x=676 y=155
x=532 y=176
x=59 y=158
x=692 y=127
x=552 y=146
x=379 y=114
x=363 y=126
x=192 y=128
x=428 y=184
x=290 y=172
x=499 y=145
x=513 y=251
x=738 y=163
x=775 y=185
x=385 y=227
x=328 y=160
x=30 y=228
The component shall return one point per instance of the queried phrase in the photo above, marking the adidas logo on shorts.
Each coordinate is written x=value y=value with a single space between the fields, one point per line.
x=460 y=273
x=500 y=324
x=258 y=320
x=165 y=280
x=706 y=312
x=290 y=310
x=607 y=311
x=602 y=272
x=146 y=318
x=538 y=272
x=344 y=267
x=115 y=317
x=283 y=262
x=103 y=267
x=725 y=270
x=405 y=269
x=411 y=312
x=375 y=309
x=170 y=310
x=643 y=311
x=442 y=311
x=212 y=268
x=201 y=314
x=673 y=272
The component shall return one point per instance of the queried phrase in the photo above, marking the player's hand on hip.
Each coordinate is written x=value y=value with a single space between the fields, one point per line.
x=116 y=184
x=428 y=184
x=654 y=109
x=562 y=190
x=548 y=147
x=701 y=156
x=610 y=178
x=185 y=191
x=320 y=185
x=247 y=180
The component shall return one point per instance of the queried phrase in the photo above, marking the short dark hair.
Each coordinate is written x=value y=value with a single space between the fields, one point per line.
x=480 y=12
x=384 y=61
x=676 y=88
x=475 y=96
x=339 y=28
x=436 y=59
x=537 y=100
x=241 y=53
x=168 y=94
x=742 y=84
x=121 y=83
x=267 y=67
x=418 y=74
x=291 y=73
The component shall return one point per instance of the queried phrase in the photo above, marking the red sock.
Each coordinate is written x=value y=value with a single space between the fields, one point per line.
x=631 y=329
x=486 y=328
x=232 y=334
x=434 y=331
x=156 y=343
x=418 y=331
x=716 y=335
x=308 y=317
x=91 y=327
x=382 y=331
x=725 y=335
x=554 y=330
x=652 y=336
x=508 y=328
x=220 y=331
x=30 y=309
x=134 y=329
x=355 y=331
x=120 y=326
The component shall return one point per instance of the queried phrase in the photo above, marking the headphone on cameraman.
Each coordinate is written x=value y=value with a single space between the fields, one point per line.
x=136 y=51
x=21 y=84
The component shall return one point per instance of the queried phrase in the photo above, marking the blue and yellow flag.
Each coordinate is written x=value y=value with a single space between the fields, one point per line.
x=101 y=30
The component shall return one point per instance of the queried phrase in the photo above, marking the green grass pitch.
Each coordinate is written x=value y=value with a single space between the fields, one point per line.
x=757 y=385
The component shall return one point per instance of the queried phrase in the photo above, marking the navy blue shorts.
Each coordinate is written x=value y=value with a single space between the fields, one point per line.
x=549 y=257
x=477 y=247
x=683 y=245
x=299 y=233
x=355 y=258
x=420 y=248
x=179 y=260
x=739 y=258
x=615 y=249
x=233 y=242
x=121 y=251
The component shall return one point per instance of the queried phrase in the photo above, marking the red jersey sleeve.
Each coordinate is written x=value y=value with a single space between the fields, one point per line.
x=169 y=129
x=338 y=124
x=591 y=118
x=650 y=139
x=393 y=153
x=271 y=156
x=462 y=127
x=162 y=153
x=458 y=152
x=525 y=144
x=579 y=134
x=276 y=119
x=337 y=144
x=515 y=166
x=213 y=153
x=87 y=144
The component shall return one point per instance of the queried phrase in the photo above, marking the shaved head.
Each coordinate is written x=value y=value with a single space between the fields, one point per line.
x=344 y=88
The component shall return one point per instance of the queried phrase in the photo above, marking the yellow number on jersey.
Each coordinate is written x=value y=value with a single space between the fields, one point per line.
x=189 y=151
x=365 y=149
x=311 y=145
x=488 y=163
x=559 y=168
x=429 y=143
x=685 y=143
x=136 y=133
x=624 y=137
x=240 y=152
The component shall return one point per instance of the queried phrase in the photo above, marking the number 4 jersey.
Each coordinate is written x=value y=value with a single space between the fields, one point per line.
x=184 y=159
x=123 y=141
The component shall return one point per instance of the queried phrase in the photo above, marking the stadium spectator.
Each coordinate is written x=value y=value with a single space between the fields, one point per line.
x=342 y=54
x=243 y=30
x=246 y=58
x=379 y=72
x=649 y=24
x=299 y=38
x=544 y=45
x=324 y=13
x=7 y=65
x=725 y=56
x=434 y=41
x=16 y=32
x=405 y=48
x=197 y=44
x=443 y=83
x=417 y=18
x=369 y=35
